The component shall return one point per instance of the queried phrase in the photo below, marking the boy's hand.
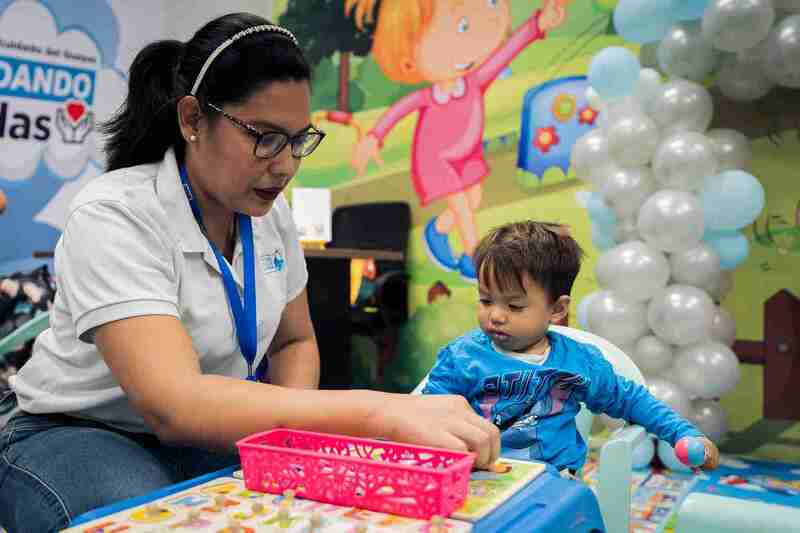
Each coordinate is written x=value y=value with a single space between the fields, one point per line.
x=712 y=455
x=699 y=453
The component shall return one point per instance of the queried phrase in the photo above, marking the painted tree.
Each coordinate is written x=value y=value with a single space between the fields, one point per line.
x=323 y=29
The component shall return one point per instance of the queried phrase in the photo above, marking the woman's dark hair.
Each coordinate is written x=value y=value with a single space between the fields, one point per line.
x=146 y=124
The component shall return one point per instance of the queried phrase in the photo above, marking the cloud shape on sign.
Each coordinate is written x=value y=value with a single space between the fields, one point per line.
x=68 y=160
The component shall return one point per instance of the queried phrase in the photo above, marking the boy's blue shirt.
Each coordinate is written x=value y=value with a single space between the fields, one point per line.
x=535 y=405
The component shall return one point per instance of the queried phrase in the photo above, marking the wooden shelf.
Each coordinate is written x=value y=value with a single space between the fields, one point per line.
x=353 y=253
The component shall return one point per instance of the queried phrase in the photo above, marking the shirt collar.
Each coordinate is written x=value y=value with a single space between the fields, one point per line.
x=172 y=196
x=441 y=96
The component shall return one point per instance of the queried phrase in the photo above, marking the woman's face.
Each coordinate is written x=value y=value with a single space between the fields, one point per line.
x=222 y=161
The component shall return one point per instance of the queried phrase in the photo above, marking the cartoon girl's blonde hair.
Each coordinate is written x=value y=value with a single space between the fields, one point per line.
x=401 y=24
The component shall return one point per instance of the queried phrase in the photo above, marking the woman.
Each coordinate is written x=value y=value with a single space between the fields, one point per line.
x=154 y=366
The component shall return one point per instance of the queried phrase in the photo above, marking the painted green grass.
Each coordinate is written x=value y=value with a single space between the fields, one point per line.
x=767 y=270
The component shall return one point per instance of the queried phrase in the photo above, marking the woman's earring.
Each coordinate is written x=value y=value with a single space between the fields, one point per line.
x=192 y=138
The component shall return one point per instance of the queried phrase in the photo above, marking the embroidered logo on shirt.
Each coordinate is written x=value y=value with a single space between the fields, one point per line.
x=273 y=262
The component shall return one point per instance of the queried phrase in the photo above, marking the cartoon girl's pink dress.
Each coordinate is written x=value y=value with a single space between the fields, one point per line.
x=447 y=149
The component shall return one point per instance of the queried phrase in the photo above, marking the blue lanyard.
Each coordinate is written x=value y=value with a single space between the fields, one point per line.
x=245 y=318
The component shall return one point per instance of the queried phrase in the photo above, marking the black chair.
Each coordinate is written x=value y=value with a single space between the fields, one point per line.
x=378 y=226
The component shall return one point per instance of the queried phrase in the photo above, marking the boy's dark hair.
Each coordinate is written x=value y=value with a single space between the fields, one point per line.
x=546 y=251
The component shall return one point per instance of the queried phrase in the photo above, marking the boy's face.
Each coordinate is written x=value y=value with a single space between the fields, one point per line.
x=517 y=320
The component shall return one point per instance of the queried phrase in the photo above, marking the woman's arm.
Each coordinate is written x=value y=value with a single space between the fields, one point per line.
x=294 y=356
x=153 y=360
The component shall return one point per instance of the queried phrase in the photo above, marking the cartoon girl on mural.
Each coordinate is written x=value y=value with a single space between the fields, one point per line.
x=456 y=46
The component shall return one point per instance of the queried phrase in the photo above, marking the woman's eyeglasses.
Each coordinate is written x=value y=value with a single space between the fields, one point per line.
x=271 y=143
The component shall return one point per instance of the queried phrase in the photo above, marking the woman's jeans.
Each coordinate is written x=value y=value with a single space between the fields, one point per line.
x=55 y=467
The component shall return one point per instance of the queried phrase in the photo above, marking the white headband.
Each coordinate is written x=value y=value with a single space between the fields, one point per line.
x=221 y=48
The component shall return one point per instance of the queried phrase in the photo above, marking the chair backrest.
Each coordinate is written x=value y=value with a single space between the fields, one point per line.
x=380 y=225
x=623 y=365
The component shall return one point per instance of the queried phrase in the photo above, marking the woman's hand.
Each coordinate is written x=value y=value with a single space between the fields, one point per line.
x=439 y=421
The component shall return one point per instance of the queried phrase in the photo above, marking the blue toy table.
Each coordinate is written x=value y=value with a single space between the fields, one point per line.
x=548 y=504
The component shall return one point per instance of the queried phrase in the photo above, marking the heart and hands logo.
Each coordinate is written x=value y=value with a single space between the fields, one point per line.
x=74 y=121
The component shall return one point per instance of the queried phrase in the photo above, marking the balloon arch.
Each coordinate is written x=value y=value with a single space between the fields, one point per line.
x=671 y=196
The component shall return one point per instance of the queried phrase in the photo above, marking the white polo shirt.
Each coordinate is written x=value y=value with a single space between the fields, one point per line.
x=132 y=247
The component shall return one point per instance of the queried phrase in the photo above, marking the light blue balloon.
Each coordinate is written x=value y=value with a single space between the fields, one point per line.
x=731 y=246
x=690 y=9
x=602 y=216
x=603 y=240
x=667 y=456
x=613 y=72
x=644 y=21
x=731 y=200
x=643 y=453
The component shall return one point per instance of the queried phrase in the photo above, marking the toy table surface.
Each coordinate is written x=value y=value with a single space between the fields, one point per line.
x=548 y=504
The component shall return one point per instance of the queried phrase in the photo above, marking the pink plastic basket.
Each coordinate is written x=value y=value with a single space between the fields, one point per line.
x=369 y=474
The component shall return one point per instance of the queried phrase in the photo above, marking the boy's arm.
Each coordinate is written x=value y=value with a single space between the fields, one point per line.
x=622 y=398
x=447 y=376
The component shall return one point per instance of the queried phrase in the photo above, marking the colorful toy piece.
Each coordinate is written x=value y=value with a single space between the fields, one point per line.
x=436 y=524
x=691 y=451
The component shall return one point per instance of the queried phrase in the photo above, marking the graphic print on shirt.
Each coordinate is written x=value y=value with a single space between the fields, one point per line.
x=518 y=401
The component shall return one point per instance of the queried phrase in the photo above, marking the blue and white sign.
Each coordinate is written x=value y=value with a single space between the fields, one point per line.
x=60 y=75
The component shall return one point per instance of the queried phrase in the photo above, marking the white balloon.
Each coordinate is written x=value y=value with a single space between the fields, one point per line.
x=732 y=149
x=626 y=230
x=590 y=155
x=743 y=81
x=681 y=315
x=616 y=319
x=682 y=105
x=671 y=220
x=723 y=327
x=734 y=25
x=613 y=110
x=711 y=419
x=719 y=288
x=782 y=57
x=632 y=139
x=698 y=266
x=583 y=310
x=685 y=53
x=672 y=395
x=754 y=54
x=633 y=271
x=652 y=355
x=626 y=189
x=670 y=374
x=707 y=370
x=684 y=160
x=647 y=87
x=792 y=6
